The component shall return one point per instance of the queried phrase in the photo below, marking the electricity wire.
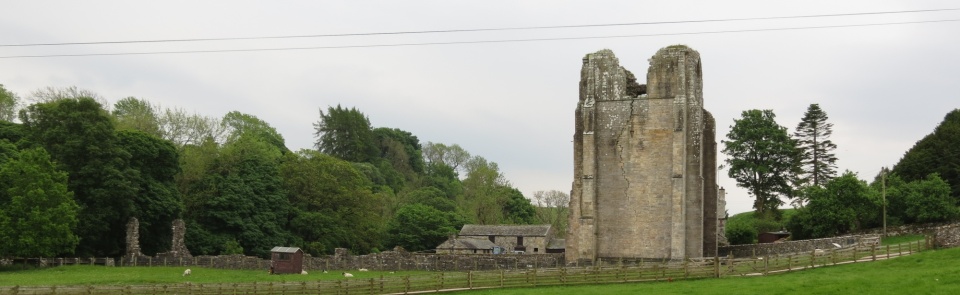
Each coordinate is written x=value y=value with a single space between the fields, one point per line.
x=481 y=29
x=477 y=42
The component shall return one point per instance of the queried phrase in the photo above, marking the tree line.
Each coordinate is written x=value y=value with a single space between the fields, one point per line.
x=75 y=169
x=774 y=166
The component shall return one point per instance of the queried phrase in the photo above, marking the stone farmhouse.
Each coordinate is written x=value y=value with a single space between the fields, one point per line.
x=503 y=239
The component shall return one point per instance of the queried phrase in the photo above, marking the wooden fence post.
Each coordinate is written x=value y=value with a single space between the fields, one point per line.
x=766 y=263
x=873 y=252
x=789 y=262
x=730 y=263
x=716 y=266
x=441 y=282
x=534 y=277
x=563 y=276
x=501 y=278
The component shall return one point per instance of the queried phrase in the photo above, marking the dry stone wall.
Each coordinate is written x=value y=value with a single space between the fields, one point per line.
x=945 y=236
x=387 y=260
x=802 y=246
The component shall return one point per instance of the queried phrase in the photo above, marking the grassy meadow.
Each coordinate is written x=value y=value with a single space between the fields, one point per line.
x=929 y=272
x=99 y=275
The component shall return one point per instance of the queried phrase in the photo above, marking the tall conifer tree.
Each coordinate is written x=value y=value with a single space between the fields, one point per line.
x=818 y=163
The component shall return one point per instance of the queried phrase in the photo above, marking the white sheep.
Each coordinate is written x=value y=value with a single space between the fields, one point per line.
x=347 y=275
x=303 y=272
x=818 y=252
x=363 y=269
x=186 y=272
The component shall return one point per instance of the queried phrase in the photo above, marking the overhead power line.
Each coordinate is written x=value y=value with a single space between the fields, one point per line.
x=478 y=30
x=476 y=42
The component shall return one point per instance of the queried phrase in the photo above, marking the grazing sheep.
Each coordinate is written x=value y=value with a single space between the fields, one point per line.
x=347 y=275
x=363 y=269
x=303 y=272
x=186 y=272
x=324 y=271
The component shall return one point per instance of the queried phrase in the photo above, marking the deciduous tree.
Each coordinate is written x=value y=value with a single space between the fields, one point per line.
x=761 y=156
x=9 y=104
x=419 y=227
x=153 y=165
x=137 y=114
x=333 y=202
x=844 y=204
x=552 y=208
x=37 y=213
x=79 y=135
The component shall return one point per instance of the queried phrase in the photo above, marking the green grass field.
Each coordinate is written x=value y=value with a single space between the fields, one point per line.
x=930 y=272
x=99 y=275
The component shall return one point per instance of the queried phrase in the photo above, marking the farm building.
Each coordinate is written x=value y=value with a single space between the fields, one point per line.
x=466 y=245
x=518 y=239
x=286 y=260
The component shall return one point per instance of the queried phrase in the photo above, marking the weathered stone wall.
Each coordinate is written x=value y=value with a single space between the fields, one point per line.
x=387 y=260
x=641 y=162
x=133 y=238
x=530 y=242
x=947 y=236
x=48 y=262
x=711 y=211
x=908 y=229
x=402 y=260
x=756 y=250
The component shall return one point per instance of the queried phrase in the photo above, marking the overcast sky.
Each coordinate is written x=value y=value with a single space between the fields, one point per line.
x=884 y=87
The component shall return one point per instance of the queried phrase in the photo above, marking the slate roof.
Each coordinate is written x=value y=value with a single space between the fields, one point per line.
x=557 y=244
x=467 y=243
x=539 y=230
x=285 y=249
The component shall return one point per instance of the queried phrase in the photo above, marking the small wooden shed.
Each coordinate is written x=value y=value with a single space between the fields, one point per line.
x=286 y=260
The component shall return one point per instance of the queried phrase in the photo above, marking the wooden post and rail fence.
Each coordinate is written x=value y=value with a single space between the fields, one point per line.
x=710 y=267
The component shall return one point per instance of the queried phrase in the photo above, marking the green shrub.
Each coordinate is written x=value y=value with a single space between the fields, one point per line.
x=739 y=233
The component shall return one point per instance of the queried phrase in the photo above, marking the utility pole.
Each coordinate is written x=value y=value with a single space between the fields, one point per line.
x=883 y=192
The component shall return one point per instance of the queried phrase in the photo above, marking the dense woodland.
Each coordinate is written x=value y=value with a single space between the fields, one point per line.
x=74 y=170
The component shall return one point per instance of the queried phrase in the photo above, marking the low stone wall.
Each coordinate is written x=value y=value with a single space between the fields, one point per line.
x=387 y=260
x=755 y=250
x=946 y=236
x=45 y=262
x=908 y=229
x=401 y=260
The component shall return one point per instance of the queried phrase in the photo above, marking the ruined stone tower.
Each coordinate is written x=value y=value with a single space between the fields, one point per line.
x=644 y=162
